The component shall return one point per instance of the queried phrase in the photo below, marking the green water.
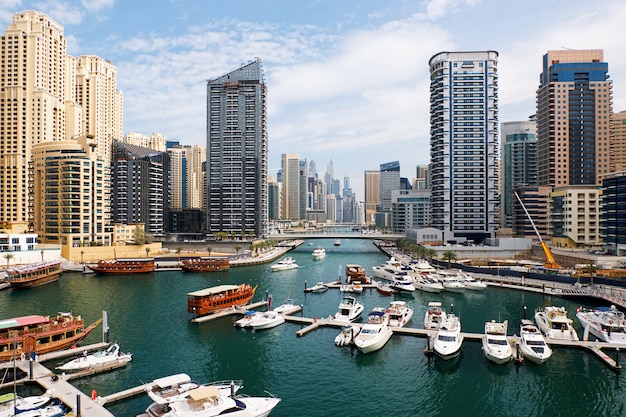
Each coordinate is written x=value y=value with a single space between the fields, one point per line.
x=147 y=315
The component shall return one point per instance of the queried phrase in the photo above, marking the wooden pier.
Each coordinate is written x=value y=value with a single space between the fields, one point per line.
x=228 y=312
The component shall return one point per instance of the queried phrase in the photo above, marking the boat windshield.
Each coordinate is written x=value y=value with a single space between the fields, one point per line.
x=497 y=342
x=445 y=338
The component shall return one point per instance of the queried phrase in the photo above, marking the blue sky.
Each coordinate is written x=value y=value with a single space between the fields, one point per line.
x=347 y=79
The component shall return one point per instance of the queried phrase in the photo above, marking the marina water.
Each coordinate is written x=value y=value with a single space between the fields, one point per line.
x=147 y=316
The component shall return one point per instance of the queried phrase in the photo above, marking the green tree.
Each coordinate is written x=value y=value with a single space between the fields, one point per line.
x=237 y=248
x=147 y=252
x=139 y=236
x=8 y=257
x=449 y=255
x=209 y=249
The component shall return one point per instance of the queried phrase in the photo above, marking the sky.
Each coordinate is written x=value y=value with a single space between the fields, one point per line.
x=348 y=80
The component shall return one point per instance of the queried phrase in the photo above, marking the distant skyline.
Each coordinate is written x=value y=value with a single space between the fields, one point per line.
x=347 y=81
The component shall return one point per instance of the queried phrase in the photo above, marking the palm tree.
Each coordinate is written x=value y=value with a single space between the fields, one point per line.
x=42 y=255
x=237 y=248
x=209 y=249
x=449 y=255
x=147 y=252
x=178 y=251
x=8 y=257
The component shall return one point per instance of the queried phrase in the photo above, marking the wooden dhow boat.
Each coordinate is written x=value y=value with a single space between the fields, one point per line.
x=29 y=335
x=33 y=275
x=123 y=266
x=205 y=264
x=211 y=300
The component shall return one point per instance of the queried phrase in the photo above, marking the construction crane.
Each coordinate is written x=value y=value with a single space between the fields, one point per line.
x=550 y=262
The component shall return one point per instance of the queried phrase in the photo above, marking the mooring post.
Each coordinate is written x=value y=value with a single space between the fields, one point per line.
x=77 y=405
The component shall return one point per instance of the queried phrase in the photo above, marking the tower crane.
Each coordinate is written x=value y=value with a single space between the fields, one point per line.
x=550 y=262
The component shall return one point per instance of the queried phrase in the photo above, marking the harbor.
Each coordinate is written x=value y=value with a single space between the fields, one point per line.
x=148 y=316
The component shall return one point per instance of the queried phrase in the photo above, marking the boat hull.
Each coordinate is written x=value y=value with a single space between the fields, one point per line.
x=123 y=266
x=212 y=300
x=205 y=265
x=372 y=345
x=30 y=276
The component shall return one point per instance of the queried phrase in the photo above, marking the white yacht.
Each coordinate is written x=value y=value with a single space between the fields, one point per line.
x=349 y=309
x=496 y=345
x=319 y=253
x=319 y=287
x=209 y=400
x=470 y=282
x=375 y=333
x=606 y=323
x=449 y=338
x=427 y=282
x=554 y=323
x=284 y=264
x=422 y=265
x=393 y=270
x=434 y=316
x=532 y=343
x=112 y=356
x=399 y=313
x=451 y=283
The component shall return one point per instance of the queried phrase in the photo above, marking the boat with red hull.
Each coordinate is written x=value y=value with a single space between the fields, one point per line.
x=214 y=299
x=41 y=334
x=123 y=266
x=205 y=264
x=33 y=275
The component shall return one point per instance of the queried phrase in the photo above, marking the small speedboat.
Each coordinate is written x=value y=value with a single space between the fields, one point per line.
x=284 y=264
x=451 y=283
x=426 y=282
x=434 y=316
x=470 y=282
x=347 y=335
x=349 y=309
x=288 y=307
x=496 y=346
x=247 y=318
x=111 y=356
x=554 y=323
x=356 y=288
x=265 y=320
x=399 y=313
x=384 y=288
x=532 y=343
x=56 y=409
x=319 y=287
x=11 y=402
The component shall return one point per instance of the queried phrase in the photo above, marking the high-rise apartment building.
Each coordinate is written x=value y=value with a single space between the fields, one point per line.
x=155 y=141
x=464 y=144
x=574 y=105
x=138 y=183
x=372 y=195
x=101 y=102
x=70 y=194
x=518 y=164
x=389 y=181
x=618 y=142
x=187 y=176
x=290 y=167
x=237 y=152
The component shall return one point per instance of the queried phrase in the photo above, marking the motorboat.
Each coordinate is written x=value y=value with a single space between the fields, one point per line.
x=347 y=335
x=384 y=288
x=112 y=356
x=319 y=287
x=449 y=338
x=319 y=253
x=554 y=323
x=337 y=242
x=470 y=282
x=54 y=409
x=451 y=283
x=405 y=286
x=532 y=343
x=12 y=403
x=284 y=264
x=605 y=323
x=247 y=318
x=210 y=400
x=265 y=320
x=496 y=345
x=288 y=307
x=356 y=274
x=426 y=282
x=393 y=270
x=434 y=316
x=375 y=333
x=422 y=266
x=399 y=313
x=349 y=309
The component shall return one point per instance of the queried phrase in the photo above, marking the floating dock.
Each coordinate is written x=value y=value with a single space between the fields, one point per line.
x=228 y=312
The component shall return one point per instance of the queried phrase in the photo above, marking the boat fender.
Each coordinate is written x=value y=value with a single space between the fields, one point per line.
x=94 y=394
x=610 y=321
x=64 y=324
x=315 y=319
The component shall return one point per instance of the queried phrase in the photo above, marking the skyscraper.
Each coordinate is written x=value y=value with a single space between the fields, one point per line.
x=519 y=164
x=290 y=167
x=464 y=143
x=389 y=181
x=237 y=152
x=574 y=104
x=372 y=195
